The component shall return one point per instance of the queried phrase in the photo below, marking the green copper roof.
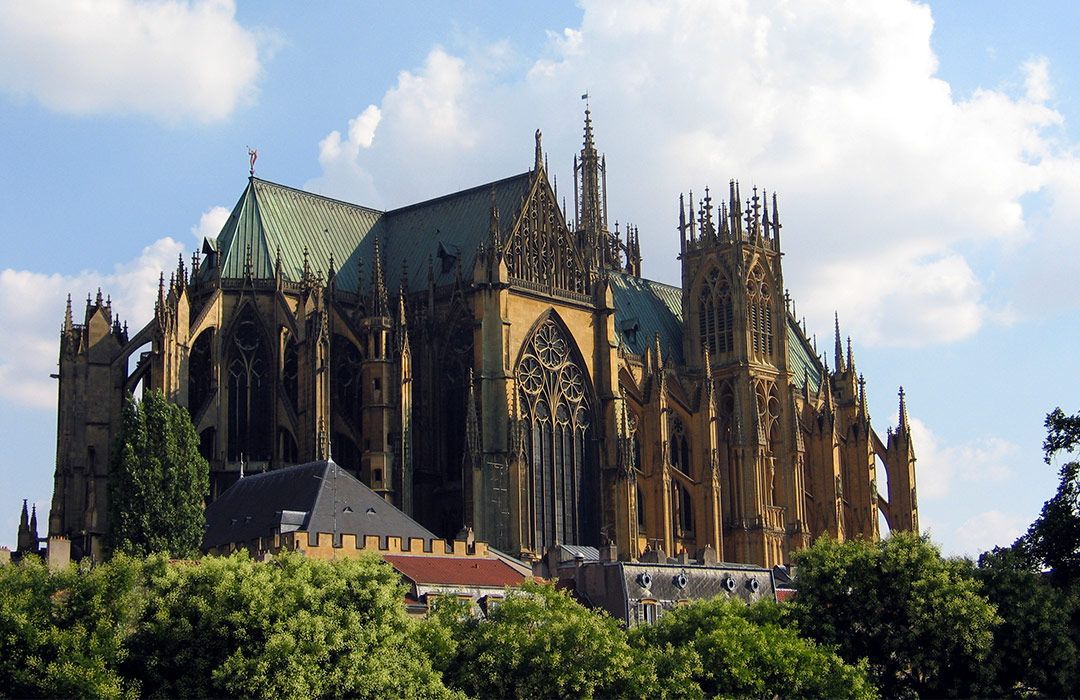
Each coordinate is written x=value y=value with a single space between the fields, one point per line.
x=645 y=309
x=802 y=361
x=445 y=230
x=271 y=217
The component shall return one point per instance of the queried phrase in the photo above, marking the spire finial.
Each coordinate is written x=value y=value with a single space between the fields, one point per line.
x=253 y=155
x=838 y=352
x=903 y=411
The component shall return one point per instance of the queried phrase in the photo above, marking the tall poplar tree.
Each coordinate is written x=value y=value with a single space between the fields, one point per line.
x=158 y=481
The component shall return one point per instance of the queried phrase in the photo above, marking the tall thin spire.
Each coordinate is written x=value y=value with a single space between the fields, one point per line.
x=590 y=204
x=838 y=356
x=379 y=302
x=904 y=427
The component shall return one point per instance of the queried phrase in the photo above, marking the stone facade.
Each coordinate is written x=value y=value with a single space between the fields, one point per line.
x=483 y=360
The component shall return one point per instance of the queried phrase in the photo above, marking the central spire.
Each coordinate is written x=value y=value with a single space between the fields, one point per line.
x=590 y=205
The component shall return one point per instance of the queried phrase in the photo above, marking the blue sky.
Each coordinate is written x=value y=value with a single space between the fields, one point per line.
x=925 y=158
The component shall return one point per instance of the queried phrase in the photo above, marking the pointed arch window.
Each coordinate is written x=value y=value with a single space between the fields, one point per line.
x=200 y=373
x=760 y=310
x=250 y=378
x=679 y=446
x=345 y=366
x=715 y=313
x=683 y=511
x=557 y=414
x=290 y=365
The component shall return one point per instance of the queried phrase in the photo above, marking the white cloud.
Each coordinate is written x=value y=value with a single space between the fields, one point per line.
x=210 y=223
x=343 y=176
x=940 y=466
x=173 y=60
x=987 y=530
x=888 y=179
x=28 y=347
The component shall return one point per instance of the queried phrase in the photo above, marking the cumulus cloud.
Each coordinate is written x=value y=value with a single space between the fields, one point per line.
x=28 y=348
x=888 y=179
x=987 y=530
x=940 y=466
x=210 y=223
x=172 y=60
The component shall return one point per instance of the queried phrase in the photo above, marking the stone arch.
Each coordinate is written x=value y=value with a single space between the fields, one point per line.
x=249 y=376
x=558 y=416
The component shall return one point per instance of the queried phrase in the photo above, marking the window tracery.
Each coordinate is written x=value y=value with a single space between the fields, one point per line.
x=541 y=252
x=679 y=446
x=200 y=373
x=557 y=416
x=760 y=311
x=715 y=313
x=345 y=370
x=249 y=393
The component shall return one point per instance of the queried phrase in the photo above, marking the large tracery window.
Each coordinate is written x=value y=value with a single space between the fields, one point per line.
x=200 y=373
x=679 y=446
x=715 y=315
x=760 y=309
x=250 y=379
x=557 y=417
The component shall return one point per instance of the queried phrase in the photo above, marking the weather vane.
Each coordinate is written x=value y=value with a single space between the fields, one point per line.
x=585 y=97
x=253 y=155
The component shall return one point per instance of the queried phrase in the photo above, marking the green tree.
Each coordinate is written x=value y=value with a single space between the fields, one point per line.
x=1053 y=540
x=1035 y=647
x=287 y=627
x=64 y=634
x=158 y=480
x=539 y=643
x=918 y=619
x=724 y=648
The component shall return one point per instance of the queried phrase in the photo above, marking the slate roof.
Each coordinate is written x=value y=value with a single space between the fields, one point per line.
x=455 y=571
x=644 y=309
x=254 y=507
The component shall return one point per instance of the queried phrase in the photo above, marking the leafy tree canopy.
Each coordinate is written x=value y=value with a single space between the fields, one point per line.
x=540 y=643
x=917 y=618
x=1053 y=540
x=219 y=627
x=1035 y=649
x=158 y=481
x=727 y=649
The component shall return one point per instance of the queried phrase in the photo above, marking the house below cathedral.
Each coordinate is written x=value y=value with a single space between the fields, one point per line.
x=491 y=360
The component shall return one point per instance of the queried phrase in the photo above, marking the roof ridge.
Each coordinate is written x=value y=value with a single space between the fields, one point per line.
x=316 y=195
x=452 y=195
x=627 y=277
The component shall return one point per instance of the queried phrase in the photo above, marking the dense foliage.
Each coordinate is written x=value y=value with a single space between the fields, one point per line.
x=540 y=643
x=220 y=627
x=1053 y=540
x=158 y=480
x=728 y=649
x=918 y=619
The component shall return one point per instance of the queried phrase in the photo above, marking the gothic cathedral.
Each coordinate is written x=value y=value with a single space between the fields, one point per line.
x=482 y=361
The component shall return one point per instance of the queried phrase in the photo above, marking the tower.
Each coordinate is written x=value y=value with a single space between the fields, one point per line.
x=735 y=320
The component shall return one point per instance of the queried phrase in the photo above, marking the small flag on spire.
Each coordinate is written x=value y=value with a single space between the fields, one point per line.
x=585 y=96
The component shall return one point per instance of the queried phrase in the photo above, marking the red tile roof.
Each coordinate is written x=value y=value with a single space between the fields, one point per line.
x=457 y=571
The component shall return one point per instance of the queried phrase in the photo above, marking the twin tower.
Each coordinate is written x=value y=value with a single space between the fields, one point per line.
x=484 y=360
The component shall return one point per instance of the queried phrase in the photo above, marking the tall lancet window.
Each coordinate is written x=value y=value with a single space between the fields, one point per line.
x=558 y=418
x=250 y=375
x=715 y=314
x=760 y=309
